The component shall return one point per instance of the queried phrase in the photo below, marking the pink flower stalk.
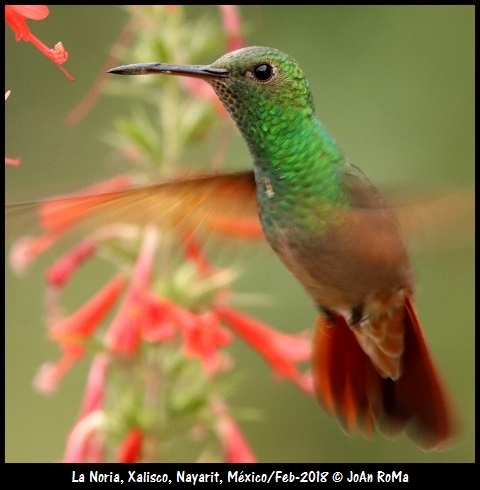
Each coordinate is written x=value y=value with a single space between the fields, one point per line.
x=235 y=447
x=280 y=350
x=82 y=108
x=232 y=26
x=15 y=16
x=123 y=335
x=131 y=448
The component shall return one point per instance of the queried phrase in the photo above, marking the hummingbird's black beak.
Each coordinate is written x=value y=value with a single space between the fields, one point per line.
x=196 y=71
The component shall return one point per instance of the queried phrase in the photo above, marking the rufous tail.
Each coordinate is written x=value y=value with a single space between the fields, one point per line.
x=350 y=387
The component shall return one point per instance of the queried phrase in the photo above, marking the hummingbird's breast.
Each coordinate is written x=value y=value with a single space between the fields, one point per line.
x=342 y=261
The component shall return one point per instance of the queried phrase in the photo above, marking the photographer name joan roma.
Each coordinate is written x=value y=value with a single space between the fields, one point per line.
x=380 y=476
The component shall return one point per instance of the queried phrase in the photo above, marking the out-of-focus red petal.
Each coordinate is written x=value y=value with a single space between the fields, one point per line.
x=203 y=337
x=59 y=273
x=131 y=448
x=159 y=325
x=235 y=447
x=27 y=249
x=15 y=162
x=123 y=334
x=80 y=325
x=34 y=12
x=280 y=350
x=50 y=374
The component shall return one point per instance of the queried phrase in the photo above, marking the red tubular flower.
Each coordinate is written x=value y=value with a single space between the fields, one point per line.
x=59 y=273
x=123 y=335
x=280 y=350
x=131 y=448
x=27 y=249
x=235 y=447
x=203 y=337
x=73 y=330
x=15 y=16
x=76 y=328
x=51 y=373
x=159 y=324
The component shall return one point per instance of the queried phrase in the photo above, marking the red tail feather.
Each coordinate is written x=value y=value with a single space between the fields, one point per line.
x=350 y=387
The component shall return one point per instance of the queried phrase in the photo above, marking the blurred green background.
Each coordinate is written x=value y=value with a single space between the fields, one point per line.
x=394 y=85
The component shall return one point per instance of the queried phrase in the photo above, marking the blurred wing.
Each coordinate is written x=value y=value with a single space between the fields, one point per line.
x=224 y=204
x=359 y=190
x=436 y=219
x=444 y=220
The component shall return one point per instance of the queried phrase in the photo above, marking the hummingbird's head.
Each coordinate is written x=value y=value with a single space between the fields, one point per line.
x=258 y=79
x=255 y=84
x=264 y=90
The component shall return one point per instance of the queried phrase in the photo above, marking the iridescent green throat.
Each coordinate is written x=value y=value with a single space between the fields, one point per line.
x=297 y=163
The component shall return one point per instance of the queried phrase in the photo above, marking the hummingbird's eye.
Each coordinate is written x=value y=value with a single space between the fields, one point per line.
x=263 y=72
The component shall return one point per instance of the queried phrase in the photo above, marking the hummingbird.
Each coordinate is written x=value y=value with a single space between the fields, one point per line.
x=329 y=226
